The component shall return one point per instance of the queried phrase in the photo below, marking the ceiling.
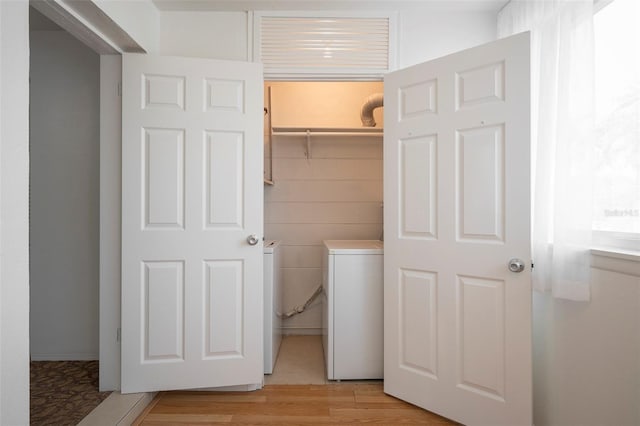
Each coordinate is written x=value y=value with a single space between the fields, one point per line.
x=39 y=22
x=240 y=5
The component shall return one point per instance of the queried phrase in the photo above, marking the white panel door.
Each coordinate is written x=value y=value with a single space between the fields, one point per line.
x=457 y=209
x=192 y=194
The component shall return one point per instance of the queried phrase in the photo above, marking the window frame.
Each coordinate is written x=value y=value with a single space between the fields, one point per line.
x=614 y=240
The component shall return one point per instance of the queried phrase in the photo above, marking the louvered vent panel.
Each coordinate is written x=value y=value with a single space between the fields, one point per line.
x=315 y=44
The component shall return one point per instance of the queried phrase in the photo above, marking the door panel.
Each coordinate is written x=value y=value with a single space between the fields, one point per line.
x=419 y=322
x=456 y=197
x=480 y=183
x=418 y=200
x=224 y=156
x=163 y=170
x=163 y=310
x=223 y=308
x=192 y=193
x=481 y=326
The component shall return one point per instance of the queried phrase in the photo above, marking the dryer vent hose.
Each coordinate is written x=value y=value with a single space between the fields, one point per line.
x=366 y=113
x=300 y=309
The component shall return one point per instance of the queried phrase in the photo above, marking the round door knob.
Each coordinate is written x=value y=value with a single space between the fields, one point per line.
x=516 y=265
x=253 y=239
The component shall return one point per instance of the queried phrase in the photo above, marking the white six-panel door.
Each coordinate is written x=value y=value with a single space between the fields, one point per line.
x=457 y=209
x=192 y=194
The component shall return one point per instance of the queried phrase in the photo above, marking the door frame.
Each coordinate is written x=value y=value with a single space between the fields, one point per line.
x=14 y=123
x=110 y=221
x=109 y=41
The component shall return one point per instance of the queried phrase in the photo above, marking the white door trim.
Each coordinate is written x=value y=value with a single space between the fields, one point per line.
x=88 y=23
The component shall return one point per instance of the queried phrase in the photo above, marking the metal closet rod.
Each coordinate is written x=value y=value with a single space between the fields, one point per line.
x=322 y=131
x=267 y=112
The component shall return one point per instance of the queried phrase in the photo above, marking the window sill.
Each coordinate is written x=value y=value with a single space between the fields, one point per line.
x=616 y=260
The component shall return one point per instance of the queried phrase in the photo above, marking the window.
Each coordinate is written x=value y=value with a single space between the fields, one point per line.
x=617 y=109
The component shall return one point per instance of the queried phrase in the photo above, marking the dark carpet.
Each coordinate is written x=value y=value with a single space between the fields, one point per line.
x=63 y=392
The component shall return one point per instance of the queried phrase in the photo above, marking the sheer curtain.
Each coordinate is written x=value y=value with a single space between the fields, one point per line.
x=562 y=138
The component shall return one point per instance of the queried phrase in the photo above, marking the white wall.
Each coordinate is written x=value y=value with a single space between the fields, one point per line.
x=426 y=35
x=336 y=194
x=220 y=35
x=587 y=355
x=423 y=33
x=14 y=213
x=64 y=237
x=140 y=19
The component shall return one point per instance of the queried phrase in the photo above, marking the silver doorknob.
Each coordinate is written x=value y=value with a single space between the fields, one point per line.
x=516 y=265
x=253 y=239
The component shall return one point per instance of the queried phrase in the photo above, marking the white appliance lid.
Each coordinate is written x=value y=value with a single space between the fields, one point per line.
x=354 y=246
x=270 y=245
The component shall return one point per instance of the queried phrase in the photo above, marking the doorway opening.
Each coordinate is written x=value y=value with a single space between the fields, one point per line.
x=323 y=181
x=64 y=223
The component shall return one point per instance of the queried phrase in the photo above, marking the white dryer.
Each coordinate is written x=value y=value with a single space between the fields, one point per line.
x=272 y=304
x=352 y=324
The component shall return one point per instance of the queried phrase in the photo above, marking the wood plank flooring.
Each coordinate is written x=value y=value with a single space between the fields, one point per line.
x=287 y=405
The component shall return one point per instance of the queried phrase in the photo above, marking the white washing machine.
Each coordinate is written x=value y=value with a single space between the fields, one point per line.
x=272 y=304
x=352 y=325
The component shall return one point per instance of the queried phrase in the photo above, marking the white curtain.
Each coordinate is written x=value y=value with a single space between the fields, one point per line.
x=562 y=138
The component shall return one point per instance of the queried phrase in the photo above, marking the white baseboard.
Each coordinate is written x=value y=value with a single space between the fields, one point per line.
x=79 y=356
x=301 y=331
x=137 y=409
x=118 y=409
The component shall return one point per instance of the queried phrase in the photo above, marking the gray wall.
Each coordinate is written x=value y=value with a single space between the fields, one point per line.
x=64 y=197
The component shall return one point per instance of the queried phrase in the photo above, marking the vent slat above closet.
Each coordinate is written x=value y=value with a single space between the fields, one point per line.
x=307 y=44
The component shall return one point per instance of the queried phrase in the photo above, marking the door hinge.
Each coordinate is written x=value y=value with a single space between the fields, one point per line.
x=118 y=335
x=119 y=89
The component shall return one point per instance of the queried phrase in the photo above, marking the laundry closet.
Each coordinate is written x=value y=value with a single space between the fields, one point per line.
x=323 y=181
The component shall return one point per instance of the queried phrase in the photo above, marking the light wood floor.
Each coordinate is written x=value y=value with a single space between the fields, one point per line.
x=287 y=405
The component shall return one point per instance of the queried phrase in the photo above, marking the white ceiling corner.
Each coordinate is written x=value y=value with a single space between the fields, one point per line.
x=241 y=5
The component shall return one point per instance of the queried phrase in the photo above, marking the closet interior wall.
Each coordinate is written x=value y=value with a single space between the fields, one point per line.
x=333 y=192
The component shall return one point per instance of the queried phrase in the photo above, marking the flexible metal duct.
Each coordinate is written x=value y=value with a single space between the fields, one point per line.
x=366 y=113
